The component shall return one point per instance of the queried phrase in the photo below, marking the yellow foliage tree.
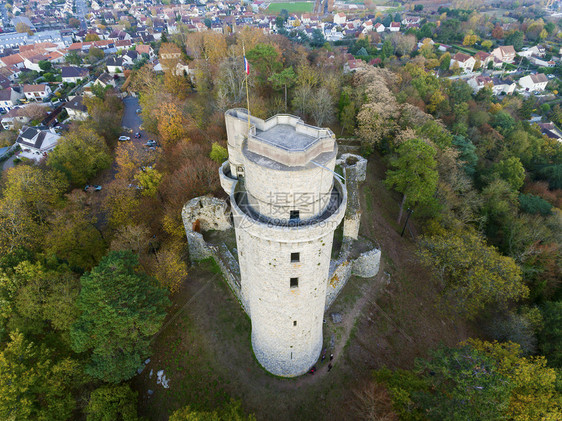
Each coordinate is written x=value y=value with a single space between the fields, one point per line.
x=170 y=269
x=120 y=203
x=534 y=395
x=171 y=123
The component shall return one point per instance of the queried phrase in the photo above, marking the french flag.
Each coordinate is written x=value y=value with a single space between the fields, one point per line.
x=246 y=66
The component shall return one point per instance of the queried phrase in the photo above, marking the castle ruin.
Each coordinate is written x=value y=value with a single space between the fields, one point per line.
x=286 y=201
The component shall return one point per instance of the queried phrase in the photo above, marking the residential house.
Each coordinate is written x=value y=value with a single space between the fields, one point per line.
x=339 y=18
x=479 y=82
x=537 y=51
x=36 y=143
x=394 y=27
x=484 y=58
x=76 y=109
x=146 y=49
x=464 y=61
x=505 y=53
x=541 y=62
x=14 y=60
x=105 y=80
x=9 y=97
x=74 y=74
x=550 y=130
x=532 y=83
x=411 y=21
x=379 y=27
x=36 y=92
x=503 y=87
x=353 y=65
x=367 y=26
x=14 y=117
x=130 y=57
x=4 y=82
x=114 y=65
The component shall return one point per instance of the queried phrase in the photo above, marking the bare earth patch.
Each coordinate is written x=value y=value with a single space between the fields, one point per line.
x=205 y=350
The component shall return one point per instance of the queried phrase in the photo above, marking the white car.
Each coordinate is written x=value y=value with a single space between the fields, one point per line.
x=124 y=138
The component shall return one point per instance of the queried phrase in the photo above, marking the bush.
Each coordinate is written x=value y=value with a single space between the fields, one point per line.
x=218 y=153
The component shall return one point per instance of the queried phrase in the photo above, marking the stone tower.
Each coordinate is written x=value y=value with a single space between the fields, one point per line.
x=286 y=204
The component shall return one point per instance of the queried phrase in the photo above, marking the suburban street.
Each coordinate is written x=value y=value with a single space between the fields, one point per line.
x=81 y=11
x=131 y=119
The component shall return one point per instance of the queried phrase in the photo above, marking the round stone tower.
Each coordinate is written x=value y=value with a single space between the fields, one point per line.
x=286 y=203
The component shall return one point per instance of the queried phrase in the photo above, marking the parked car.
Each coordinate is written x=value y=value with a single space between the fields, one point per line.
x=124 y=138
x=137 y=135
x=92 y=188
x=150 y=143
x=138 y=111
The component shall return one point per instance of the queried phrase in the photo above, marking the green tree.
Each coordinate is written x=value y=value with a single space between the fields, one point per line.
x=504 y=122
x=534 y=395
x=80 y=154
x=45 y=65
x=32 y=385
x=95 y=54
x=511 y=170
x=219 y=154
x=445 y=62
x=283 y=80
x=37 y=300
x=473 y=275
x=105 y=116
x=475 y=381
x=437 y=133
x=73 y=58
x=112 y=402
x=73 y=235
x=463 y=385
x=121 y=308
x=414 y=174
x=387 y=49
x=318 y=39
x=534 y=205
x=265 y=59
x=467 y=154
x=231 y=412
x=550 y=337
x=459 y=91
x=516 y=39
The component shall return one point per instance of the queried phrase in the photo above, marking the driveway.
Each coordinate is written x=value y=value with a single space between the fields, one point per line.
x=8 y=163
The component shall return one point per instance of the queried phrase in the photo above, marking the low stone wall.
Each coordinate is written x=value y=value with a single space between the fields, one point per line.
x=365 y=266
x=230 y=270
x=337 y=281
x=198 y=248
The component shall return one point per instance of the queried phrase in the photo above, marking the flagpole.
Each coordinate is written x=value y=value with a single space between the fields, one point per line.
x=247 y=93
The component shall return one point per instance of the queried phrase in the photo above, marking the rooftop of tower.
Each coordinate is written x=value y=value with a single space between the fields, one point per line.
x=285 y=138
